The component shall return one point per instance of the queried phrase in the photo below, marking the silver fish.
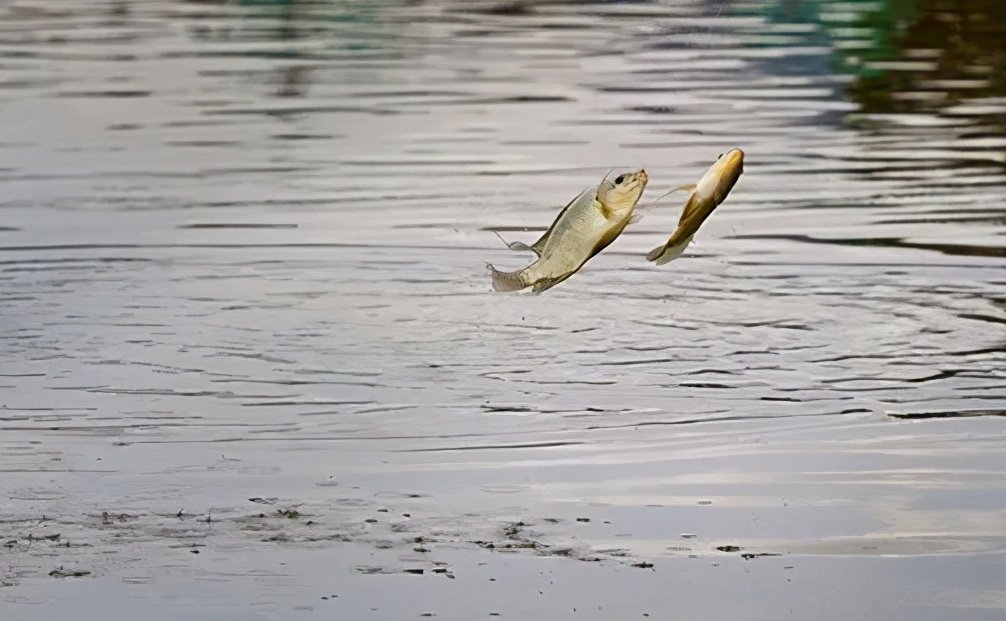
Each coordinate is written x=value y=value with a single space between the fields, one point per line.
x=585 y=227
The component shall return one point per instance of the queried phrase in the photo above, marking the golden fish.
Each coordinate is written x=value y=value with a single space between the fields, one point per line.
x=706 y=195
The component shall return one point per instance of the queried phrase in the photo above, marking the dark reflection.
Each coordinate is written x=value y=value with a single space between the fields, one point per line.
x=911 y=56
x=952 y=49
x=964 y=250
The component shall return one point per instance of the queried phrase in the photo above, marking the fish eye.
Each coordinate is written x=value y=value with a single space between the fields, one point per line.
x=619 y=179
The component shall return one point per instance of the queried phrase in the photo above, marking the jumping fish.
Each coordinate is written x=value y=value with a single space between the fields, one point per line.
x=584 y=227
x=704 y=197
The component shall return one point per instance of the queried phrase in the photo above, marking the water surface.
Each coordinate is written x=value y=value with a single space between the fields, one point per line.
x=250 y=360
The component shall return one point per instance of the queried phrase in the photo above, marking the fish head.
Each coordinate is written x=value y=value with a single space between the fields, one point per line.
x=622 y=192
x=721 y=177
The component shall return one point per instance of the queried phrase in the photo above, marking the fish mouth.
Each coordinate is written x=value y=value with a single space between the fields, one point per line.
x=734 y=158
x=640 y=178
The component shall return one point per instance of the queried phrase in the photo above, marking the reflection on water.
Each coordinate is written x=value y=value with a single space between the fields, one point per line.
x=938 y=57
x=244 y=314
x=928 y=56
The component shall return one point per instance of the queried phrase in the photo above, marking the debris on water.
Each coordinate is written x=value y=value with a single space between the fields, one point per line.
x=373 y=569
x=292 y=514
x=582 y=519
x=110 y=518
x=946 y=414
x=747 y=556
x=263 y=501
x=60 y=572
x=513 y=529
x=688 y=535
x=416 y=571
x=729 y=548
x=643 y=565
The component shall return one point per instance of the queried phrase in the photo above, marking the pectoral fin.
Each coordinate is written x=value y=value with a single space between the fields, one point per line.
x=648 y=206
x=692 y=208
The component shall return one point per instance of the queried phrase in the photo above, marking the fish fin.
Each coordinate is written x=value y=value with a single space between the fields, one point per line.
x=690 y=187
x=691 y=208
x=668 y=252
x=506 y=281
x=538 y=245
x=547 y=283
x=517 y=245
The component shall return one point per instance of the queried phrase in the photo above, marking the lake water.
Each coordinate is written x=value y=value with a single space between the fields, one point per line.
x=251 y=366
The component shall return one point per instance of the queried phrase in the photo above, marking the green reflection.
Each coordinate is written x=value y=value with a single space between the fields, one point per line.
x=910 y=55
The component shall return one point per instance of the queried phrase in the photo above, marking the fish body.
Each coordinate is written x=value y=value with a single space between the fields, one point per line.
x=585 y=227
x=706 y=195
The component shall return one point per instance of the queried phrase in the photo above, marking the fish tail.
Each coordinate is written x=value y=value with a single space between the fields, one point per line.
x=669 y=251
x=656 y=252
x=506 y=281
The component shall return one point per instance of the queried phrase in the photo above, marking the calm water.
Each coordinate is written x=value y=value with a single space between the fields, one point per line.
x=250 y=360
